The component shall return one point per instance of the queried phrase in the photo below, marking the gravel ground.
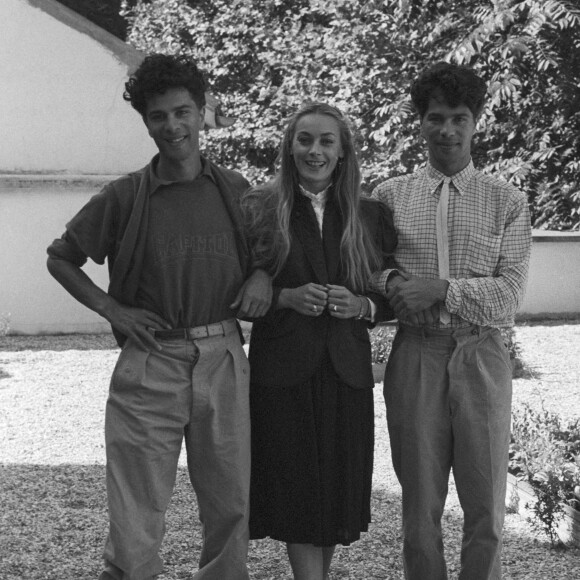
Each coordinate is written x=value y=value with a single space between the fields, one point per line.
x=53 y=517
x=551 y=357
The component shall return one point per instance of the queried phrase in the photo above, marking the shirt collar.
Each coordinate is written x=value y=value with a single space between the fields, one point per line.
x=317 y=198
x=157 y=182
x=459 y=179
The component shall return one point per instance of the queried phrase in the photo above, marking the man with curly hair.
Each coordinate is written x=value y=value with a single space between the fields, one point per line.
x=462 y=263
x=173 y=237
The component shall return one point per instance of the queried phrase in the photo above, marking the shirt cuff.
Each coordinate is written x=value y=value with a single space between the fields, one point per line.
x=378 y=281
x=453 y=298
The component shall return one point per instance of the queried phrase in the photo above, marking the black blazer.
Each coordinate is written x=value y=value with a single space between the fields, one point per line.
x=286 y=347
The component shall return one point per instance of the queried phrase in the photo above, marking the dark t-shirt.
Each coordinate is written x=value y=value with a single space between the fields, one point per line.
x=191 y=271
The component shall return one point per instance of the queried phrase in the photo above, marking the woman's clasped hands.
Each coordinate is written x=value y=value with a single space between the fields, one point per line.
x=313 y=299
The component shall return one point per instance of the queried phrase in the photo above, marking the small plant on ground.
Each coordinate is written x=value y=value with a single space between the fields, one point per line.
x=548 y=507
x=546 y=454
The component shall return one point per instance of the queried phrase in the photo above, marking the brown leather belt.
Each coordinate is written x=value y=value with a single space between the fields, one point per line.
x=204 y=331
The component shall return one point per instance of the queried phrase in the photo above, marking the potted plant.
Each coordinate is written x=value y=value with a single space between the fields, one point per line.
x=544 y=473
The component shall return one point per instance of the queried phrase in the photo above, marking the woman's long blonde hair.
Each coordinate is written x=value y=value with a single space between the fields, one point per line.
x=268 y=207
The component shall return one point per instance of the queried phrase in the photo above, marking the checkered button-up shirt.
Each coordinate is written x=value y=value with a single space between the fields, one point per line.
x=489 y=241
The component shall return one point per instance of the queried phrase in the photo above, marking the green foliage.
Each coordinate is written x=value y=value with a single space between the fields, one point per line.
x=547 y=455
x=265 y=57
x=548 y=507
x=381 y=342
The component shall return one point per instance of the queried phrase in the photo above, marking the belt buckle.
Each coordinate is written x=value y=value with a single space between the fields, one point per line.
x=206 y=330
x=198 y=332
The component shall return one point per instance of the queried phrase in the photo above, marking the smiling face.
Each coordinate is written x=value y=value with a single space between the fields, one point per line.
x=448 y=132
x=174 y=122
x=316 y=149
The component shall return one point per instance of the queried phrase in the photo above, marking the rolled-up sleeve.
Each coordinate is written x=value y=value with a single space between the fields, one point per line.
x=92 y=231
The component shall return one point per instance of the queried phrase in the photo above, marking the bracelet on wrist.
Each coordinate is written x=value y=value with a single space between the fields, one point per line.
x=364 y=308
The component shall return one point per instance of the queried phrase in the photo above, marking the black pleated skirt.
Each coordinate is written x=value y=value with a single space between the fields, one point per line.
x=312 y=461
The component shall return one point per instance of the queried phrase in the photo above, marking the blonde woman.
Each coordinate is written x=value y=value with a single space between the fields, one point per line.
x=311 y=393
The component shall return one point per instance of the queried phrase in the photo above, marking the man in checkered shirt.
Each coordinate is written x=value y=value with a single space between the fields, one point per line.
x=462 y=258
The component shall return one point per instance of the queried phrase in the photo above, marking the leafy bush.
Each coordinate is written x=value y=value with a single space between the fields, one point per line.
x=381 y=343
x=546 y=454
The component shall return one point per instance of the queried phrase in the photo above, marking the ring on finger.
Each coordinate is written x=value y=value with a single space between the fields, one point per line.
x=314 y=308
x=334 y=308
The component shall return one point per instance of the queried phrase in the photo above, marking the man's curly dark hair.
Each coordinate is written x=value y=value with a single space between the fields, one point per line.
x=457 y=84
x=160 y=72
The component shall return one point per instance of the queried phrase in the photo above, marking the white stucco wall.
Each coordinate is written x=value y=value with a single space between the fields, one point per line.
x=33 y=211
x=554 y=281
x=61 y=98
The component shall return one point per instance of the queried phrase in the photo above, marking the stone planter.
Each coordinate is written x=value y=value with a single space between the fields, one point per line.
x=520 y=498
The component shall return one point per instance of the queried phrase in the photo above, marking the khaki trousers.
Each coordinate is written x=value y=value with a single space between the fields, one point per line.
x=448 y=398
x=197 y=389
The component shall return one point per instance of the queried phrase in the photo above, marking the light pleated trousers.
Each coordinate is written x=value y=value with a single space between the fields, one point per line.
x=448 y=398
x=194 y=389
